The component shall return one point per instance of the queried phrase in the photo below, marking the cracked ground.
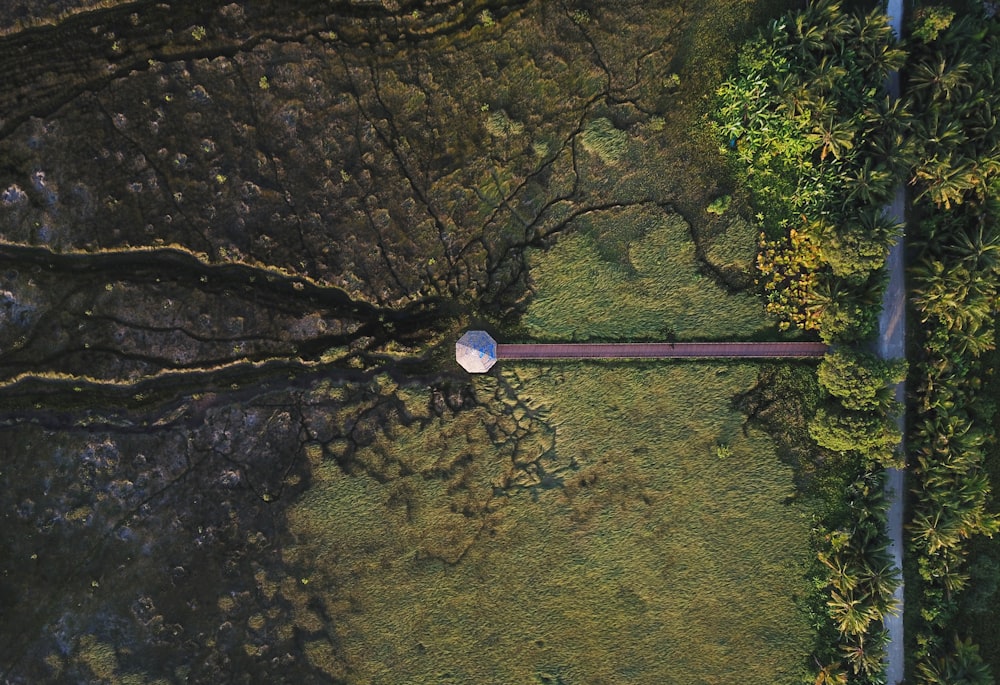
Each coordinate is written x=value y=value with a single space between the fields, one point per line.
x=236 y=245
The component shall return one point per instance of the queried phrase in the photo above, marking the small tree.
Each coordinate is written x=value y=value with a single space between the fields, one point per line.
x=845 y=430
x=859 y=380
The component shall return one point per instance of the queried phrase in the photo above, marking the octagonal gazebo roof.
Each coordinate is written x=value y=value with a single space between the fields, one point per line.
x=476 y=351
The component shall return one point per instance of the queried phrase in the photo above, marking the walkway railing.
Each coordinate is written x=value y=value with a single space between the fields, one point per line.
x=659 y=350
x=477 y=351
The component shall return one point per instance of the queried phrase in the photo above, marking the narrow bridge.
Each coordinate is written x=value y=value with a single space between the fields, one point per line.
x=477 y=352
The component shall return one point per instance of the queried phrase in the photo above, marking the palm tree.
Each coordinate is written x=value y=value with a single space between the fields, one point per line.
x=964 y=666
x=831 y=674
x=833 y=136
x=869 y=184
x=827 y=75
x=844 y=576
x=795 y=96
x=946 y=431
x=819 y=28
x=877 y=47
x=823 y=108
x=873 y=29
x=936 y=530
x=940 y=79
x=982 y=120
x=953 y=579
x=940 y=129
x=883 y=579
x=852 y=613
x=886 y=126
x=977 y=245
x=973 y=342
x=955 y=296
x=807 y=37
x=873 y=221
x=865 y=653
x=954 y=306
x=946 y=180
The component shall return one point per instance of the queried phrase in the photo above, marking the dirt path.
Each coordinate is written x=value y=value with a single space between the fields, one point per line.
x=892 y=345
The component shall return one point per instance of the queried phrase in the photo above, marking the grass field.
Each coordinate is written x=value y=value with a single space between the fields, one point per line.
x=640 y=556
x=582 y=523
x=632 y=274
x=586 y=522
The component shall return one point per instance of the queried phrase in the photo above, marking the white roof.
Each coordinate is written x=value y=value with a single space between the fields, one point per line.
x=476 y=351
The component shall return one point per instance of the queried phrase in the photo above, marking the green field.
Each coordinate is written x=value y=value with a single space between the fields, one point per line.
x=586 y=522
x=619 y=547
x=632 y=274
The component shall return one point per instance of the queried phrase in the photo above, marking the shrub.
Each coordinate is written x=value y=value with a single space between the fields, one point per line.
x=846 y=430
x=719 y=205
x=928 y=22
x=601 y=138
x=860 y=380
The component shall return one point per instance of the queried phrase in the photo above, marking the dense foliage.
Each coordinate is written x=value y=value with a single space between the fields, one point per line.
x=817 y=135
x=952 y=82
x=821 y=148
x=955 y=289
x=956 y=301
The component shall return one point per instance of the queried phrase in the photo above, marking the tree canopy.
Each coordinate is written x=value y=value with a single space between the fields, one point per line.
x=861 y=381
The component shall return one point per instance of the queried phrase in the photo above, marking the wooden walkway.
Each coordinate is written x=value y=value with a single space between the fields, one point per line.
x=750 y=350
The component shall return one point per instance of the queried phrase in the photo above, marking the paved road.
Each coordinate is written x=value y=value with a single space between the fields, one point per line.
x=892 y=345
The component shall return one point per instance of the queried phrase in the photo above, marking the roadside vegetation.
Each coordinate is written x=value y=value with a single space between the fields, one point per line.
x=816 y=137
x=954 y=281
x=821 y=148
x=815 y=134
